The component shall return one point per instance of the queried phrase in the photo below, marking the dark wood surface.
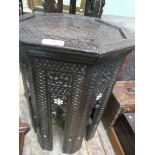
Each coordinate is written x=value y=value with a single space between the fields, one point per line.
x=53 y=73
x=92 y=8
x=124 y=92
x=60 y=6
x=115 y=142
x=50 y=6
x=122 y=100
x=130 y=117
x=72 y=9
x=101 y=143
x=23 y=129
x=127 y=72
x=124 y=128
x=21 y=7
x=74 y=31
x=122 y=134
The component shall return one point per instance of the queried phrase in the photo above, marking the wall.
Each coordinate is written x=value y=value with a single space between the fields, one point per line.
x=120 y=7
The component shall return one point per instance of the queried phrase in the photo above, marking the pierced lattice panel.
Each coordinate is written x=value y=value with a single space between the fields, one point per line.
x=58 y=77
x=55 y=83
x=103 y=79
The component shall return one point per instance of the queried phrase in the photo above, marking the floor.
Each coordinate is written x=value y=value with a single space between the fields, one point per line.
x=98 y=145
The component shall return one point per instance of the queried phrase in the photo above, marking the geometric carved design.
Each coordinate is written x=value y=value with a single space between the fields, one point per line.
x=43 y=106
x=58 y=76
x=73 y=81
x=58 y=84
x=75 y=112
x=104 y=76
x=75 y=33
x=73 y=88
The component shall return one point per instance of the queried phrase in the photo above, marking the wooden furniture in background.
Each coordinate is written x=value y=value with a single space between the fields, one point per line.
x=122 y=134
x=127 y=72
x=115 y=142
x=23 y=129
x=20 y=7
x=119 y=118
x=91 y=8
x=122 y=100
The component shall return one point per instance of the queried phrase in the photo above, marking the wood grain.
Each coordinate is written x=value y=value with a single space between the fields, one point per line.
x=94 y=146
x=122 y=100
x=105 y=140
x=115 y=142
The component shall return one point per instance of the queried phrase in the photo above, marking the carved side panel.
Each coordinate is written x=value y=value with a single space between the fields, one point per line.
x=76 y=113
x=59 y=87
x=105 y=75
x=44 y=128
x=73 y=90
x=28 y=83
x=87 y=100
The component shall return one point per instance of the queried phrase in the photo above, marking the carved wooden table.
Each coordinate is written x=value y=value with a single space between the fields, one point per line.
x=69 y=65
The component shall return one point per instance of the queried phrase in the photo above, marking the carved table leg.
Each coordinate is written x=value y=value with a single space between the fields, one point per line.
x=44 y=128
x=94 y=8
x=72 y=9
x=78 y=113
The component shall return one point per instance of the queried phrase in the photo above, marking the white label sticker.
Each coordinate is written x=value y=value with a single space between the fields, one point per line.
x=98 y=96
x=53 y=42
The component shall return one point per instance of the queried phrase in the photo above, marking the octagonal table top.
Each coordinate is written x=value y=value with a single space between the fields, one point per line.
x=74 y=32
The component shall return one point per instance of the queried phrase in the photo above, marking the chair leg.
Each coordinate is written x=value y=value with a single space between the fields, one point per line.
x=23 y=129
x=21 y=7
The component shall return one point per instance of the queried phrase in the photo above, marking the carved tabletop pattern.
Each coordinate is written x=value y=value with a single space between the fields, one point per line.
x=80 y=33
